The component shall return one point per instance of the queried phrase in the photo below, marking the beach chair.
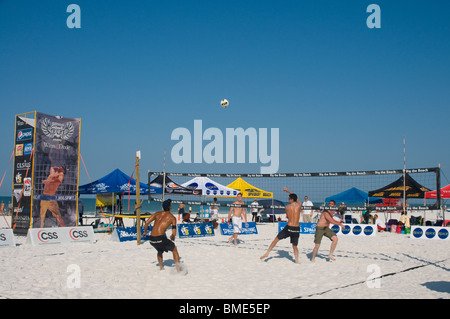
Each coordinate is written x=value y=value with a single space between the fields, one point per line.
x=390 y=223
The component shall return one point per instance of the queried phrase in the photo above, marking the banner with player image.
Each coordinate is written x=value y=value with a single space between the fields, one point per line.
x=56 y=164
x=23 y=172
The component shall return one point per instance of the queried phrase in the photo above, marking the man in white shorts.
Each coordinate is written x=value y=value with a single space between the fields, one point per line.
x=307 y=212
x=236 y=219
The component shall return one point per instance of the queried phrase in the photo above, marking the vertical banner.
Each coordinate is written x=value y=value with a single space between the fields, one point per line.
x=23 y=172
x=56 y=163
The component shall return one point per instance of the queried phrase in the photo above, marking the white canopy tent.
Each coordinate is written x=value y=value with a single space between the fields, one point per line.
x=210 y=188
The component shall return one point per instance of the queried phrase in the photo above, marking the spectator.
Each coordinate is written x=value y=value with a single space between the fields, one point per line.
x=307 y=212
x=380 y=224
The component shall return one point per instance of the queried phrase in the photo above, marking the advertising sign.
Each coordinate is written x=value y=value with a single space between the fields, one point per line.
x=23 y=172
x=305 y=228
x=7 y=238
x=195 y=230
x=55 y=181
x=249 y=229
x=429 y=232
x=361 y=230
x=60 y=235
x=122 y=234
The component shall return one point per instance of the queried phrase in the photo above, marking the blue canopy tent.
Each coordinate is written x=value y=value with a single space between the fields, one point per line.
x=115 y=182
x=353 y=196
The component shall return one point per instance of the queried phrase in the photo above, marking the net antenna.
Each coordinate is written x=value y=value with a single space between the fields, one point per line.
x=404 y=174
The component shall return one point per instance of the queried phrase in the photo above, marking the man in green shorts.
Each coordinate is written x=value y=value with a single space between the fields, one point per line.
x=323 y=229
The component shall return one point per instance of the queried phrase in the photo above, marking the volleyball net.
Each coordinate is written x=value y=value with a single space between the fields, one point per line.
x=382 y=190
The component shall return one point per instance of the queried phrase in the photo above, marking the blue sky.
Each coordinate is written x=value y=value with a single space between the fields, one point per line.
x=342 y=95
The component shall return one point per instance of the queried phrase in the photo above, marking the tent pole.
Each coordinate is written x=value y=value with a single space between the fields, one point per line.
x=138 y=202
x=438 y=192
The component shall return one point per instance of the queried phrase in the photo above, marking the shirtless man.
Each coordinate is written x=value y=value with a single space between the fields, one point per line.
x=236 y=219
x=51 y=184
x=292 y=228
x=323 y=229
x=158 y=239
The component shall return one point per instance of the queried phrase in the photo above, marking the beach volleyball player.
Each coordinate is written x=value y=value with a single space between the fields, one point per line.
x=323 y=229
x=292 y=228
x=236 y=219
x=158 y=239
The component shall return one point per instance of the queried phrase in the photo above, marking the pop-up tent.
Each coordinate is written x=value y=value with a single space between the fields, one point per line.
x=395 y=189
x=353 y=196
x=249 y=191
x=445 y=193
x=115 y=182
x=210 y=187
x=156 y=187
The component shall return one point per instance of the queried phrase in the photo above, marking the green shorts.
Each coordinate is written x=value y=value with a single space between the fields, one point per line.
x=323 y=231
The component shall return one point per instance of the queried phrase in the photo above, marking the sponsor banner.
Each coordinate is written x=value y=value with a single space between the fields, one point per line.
x=55 y=181
x=60 y=235
x=305 y=228
x=195 y=230
x=23 y=171
x=249 y=229
x=7 y=238
x=122 y=234
x=360 y=230
x=429 y=232
x=324 y=174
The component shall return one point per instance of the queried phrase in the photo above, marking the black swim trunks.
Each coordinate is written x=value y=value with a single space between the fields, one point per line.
x=290 y=231
x=161 y=243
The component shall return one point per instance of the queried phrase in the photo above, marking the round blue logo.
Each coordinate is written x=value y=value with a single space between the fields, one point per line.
x=443 y=234
x=357 y=230
x=336 y=229
x=430 y=233
x=346 y=230
x=368 y=230
x=418 y=232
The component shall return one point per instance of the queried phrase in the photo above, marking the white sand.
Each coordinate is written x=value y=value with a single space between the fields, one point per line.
x=219 y=270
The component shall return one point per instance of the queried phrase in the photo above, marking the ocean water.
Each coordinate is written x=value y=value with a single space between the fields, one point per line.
x=128 y=205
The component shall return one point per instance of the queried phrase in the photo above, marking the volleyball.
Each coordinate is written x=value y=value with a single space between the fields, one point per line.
x=224 y=103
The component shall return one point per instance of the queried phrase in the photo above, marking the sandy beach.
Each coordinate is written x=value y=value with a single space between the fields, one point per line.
x=217 y=270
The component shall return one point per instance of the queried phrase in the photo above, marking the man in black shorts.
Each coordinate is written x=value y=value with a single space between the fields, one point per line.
x=292 y=228
x=158 y=239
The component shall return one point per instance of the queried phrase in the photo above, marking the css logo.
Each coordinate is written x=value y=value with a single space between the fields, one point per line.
x=357 y=230
x=443 y=234
x=430 y=233
x=368 y=230
x=418 y=232
x=77 y=234
x=45 y=236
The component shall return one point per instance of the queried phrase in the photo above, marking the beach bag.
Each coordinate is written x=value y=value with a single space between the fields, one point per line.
x=393 y=228
x=399 y=229
x=407 y=230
